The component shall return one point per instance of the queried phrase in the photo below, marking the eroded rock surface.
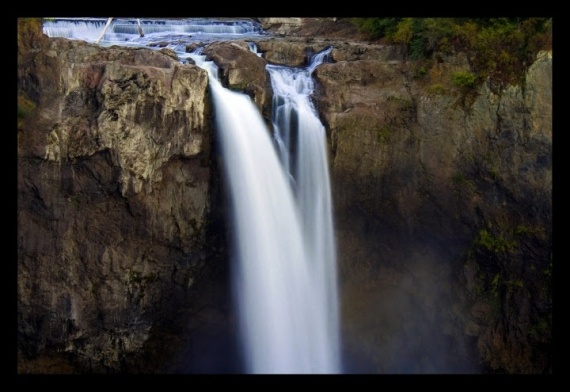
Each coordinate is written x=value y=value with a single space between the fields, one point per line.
x=114 y=200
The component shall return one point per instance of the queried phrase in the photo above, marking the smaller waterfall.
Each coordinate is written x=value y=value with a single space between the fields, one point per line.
x=301 y=138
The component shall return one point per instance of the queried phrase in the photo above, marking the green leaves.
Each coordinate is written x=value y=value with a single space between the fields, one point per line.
x=498 y=48
x=464 y=79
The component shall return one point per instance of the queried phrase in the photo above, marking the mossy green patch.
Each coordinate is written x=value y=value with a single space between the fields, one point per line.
x=494 y=243
x=25 y=108
x=437 y=89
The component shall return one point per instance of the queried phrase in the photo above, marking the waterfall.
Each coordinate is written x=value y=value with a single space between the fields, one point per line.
x=301 y=138
x=285 y=264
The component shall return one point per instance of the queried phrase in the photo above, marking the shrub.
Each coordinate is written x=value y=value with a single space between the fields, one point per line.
x=497 y=48
x=496 y=244
x=464 y=79
x=377 y=27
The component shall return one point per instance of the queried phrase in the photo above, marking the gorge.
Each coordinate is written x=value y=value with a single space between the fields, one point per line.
x=442 y=206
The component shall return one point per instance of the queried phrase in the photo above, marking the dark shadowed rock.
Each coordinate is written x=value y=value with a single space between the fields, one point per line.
x=114 y=200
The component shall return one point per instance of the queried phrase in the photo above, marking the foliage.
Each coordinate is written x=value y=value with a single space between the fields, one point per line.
x=500 y=49
x=496 y=244
x=404 y=31
x=28 y=27
x=377 y=27
x=437 y=89
x=464 y=79
x=25 y=24
x=496 y=284
x=536 y=231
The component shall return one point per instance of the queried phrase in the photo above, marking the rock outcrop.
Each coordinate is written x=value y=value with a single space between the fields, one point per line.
x=447 y=208
x=114 y=197
x=442 y=202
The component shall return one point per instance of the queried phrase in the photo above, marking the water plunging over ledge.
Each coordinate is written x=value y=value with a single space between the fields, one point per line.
x=284 y=260
x=285 y=264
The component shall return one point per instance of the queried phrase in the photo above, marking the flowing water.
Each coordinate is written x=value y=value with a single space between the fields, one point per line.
x=284 y=256
x=301 y=138
x=155 y=32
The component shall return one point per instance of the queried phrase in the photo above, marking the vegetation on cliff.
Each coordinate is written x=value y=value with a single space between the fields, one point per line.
x=500 y=49
x=28 y=28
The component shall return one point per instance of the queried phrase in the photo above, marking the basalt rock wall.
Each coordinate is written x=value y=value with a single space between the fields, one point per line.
x=114 y=202
x=444 y=212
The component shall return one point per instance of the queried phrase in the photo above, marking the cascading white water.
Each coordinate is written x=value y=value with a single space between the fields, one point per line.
x=285 y=276
x=302 y=144
x=125 y=31
x=285 y=259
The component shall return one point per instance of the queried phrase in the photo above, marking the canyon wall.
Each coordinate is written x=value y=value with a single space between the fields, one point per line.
x=442 y=203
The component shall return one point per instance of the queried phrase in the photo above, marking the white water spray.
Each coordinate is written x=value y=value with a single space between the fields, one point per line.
x=285 y=265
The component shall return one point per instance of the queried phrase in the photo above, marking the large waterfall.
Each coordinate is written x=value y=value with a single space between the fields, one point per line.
x=284 y=256
x=285 y=265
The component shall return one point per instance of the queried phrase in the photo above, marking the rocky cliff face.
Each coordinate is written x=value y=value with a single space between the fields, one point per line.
x=447 y=207
x=115 y=199
x=443 y=208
